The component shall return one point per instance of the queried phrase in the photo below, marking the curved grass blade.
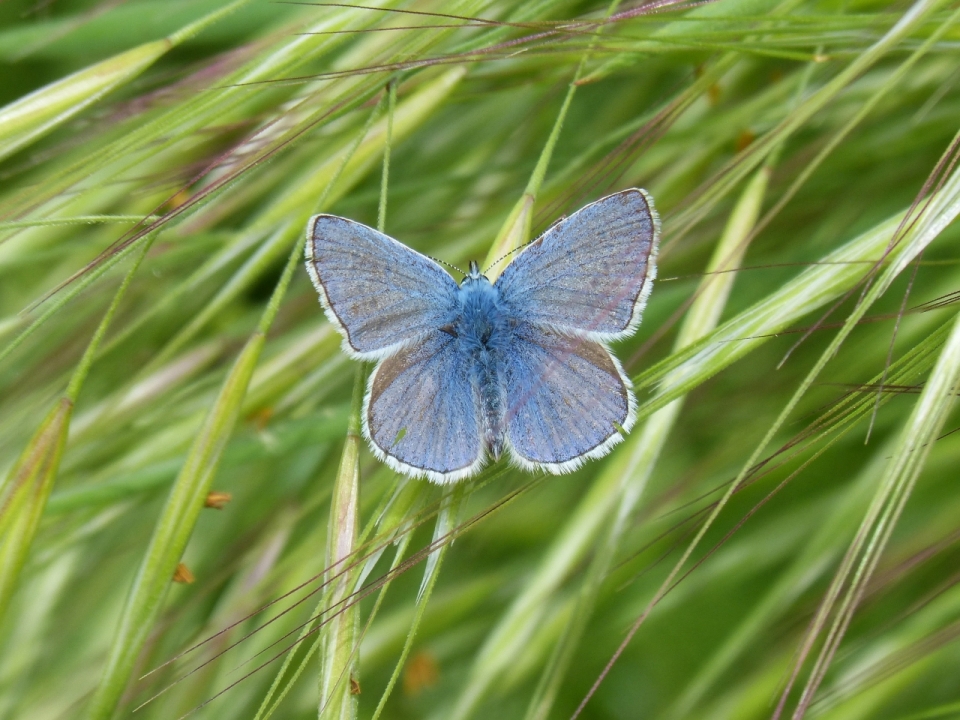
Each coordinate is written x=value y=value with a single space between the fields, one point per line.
x=751 y=157
x=180 y=513
x=348 y=166
x=339 y=638
x=937 y=214
x=628 y=480
x=443 y=533
x=160 y=133
x=897 y=482
x=25 y=490
x=821 y=549
x=832 y=277
x=30 y=118
x=514 y=233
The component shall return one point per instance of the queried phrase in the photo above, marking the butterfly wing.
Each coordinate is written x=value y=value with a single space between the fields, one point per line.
x=589 y=274
x=568 y=399
x=420 y=414
x=379 y=293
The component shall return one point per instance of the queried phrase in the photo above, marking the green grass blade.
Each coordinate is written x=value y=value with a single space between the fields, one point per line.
x=173 y=530
x=750 y=158
x=179 y=515
x=821 y=550
x=25 y=491
x=446 y=524
x=895 y=486
x=30 y=118
x=643 y=448
x=941 y=211
x=339 y=638
x=836 y=274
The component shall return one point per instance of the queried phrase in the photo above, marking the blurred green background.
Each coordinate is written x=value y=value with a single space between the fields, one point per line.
x=778 y=535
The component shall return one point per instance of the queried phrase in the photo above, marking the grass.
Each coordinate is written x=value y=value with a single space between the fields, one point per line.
x=777 y=537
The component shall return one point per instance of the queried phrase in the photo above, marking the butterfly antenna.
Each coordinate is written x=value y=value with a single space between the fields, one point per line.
x=521 y=247
x=508 y=254
x=449 y=265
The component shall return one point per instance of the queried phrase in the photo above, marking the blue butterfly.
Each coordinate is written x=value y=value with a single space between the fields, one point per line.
x=477 y=369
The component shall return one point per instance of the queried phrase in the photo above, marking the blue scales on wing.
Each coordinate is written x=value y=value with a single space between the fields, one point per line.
x=379 y=293
x=568 y=399
x=420 y=413
x=590 y=273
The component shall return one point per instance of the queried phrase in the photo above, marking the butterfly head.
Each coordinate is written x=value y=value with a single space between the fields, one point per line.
x=474 y=275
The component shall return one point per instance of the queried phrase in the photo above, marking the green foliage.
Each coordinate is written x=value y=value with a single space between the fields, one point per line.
x=777 y=536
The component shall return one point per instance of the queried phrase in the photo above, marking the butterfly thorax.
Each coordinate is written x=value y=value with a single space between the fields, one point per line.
x=484 y=332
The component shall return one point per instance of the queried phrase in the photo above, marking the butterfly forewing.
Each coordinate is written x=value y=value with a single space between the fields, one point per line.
x=568 y=399
x=380 y=293
x=590 y=273
x=420 y=414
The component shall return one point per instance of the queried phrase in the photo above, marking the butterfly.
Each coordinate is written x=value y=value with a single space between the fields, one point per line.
x=519 y=365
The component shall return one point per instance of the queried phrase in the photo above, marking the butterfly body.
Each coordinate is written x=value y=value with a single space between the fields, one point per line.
x=479 y=368
x=485 y=334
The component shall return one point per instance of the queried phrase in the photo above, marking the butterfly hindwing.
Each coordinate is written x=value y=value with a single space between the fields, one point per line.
x=568 y=399
x=379 y=293
x=420 y=414
x=590 y=273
